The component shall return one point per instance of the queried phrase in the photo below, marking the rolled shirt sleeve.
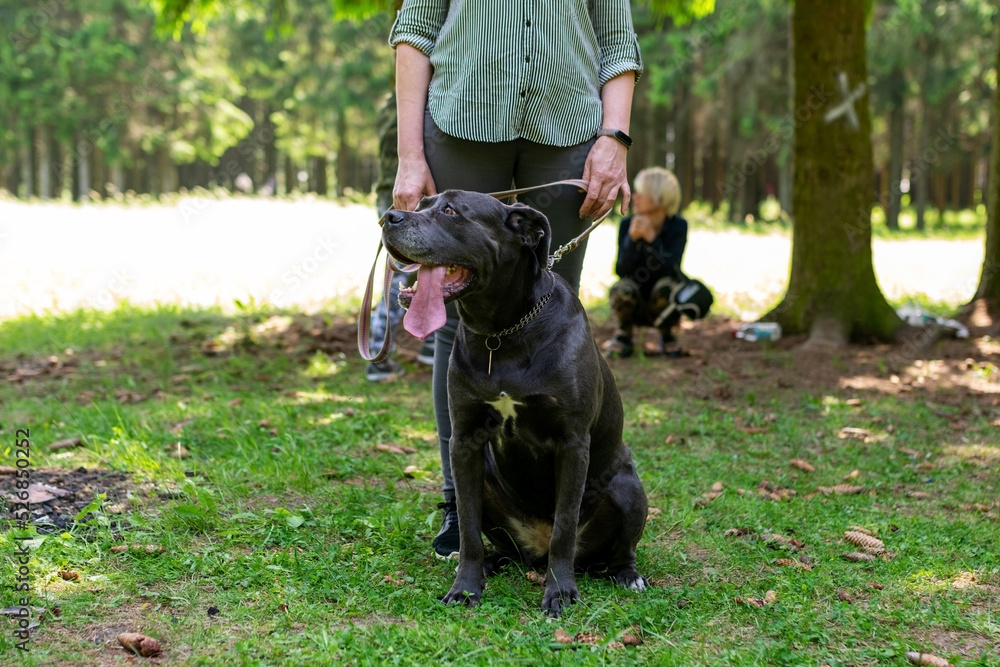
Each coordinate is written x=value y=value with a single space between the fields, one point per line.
x=418 y=24
x=616 y=36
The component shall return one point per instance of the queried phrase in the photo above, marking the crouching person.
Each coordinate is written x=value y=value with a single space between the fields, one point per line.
x=652 y=290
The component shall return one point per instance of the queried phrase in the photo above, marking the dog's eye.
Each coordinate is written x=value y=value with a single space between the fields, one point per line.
x=448 y=210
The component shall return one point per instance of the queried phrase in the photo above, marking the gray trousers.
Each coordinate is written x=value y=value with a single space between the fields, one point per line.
x=491 y=167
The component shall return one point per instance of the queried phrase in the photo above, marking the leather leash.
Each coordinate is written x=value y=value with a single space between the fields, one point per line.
x=364 y=315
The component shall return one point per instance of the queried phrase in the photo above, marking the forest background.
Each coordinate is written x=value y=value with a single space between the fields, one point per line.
x=98 y=98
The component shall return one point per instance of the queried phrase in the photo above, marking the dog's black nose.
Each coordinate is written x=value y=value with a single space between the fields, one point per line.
x=393 y=217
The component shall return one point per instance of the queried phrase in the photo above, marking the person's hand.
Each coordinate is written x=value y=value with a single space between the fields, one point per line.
x=606 y=178
x=641 y=227
x=413 y=182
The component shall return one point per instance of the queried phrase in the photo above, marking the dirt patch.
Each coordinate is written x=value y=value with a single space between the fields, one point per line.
x=60 y=495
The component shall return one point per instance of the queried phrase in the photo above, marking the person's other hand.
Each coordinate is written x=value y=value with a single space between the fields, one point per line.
x=641 y=227
x=606 y=178
x=413 y=182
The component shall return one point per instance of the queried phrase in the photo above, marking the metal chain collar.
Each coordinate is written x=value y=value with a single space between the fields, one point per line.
x=532 y=314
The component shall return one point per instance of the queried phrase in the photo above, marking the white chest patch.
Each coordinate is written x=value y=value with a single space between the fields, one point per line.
x=506 y=406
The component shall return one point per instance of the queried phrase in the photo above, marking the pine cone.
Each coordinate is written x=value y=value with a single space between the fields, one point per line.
x=857 y=556
x=870 y=544
x=802 y=465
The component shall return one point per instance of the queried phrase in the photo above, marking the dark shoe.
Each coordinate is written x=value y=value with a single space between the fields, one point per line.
x=447 y=541
x=383 y=370
x=426 y=354
x=676 y=353
x=620 y=346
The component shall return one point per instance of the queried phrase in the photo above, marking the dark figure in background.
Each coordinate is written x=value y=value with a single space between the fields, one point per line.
x=650 y=247
x=390 y=369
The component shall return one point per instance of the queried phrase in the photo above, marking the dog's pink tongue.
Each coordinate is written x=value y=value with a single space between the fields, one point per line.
x=426 y=312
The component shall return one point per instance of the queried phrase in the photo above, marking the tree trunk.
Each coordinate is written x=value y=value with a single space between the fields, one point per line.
x=83 y=170
x=832 y=292
x=28 y=163
x=44 y=163
x=897 y=118
x=343 y=155
x=989 y=280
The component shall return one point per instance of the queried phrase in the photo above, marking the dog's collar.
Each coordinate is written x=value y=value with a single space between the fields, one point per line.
x=493 y=339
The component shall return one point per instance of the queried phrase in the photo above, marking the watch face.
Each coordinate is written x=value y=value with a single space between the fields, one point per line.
x=622 y=137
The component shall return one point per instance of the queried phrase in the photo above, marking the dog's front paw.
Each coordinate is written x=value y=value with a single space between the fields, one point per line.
x=460 y=594
x=558 y=598
x=631 y=579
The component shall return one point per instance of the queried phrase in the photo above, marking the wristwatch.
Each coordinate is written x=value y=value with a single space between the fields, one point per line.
x=620 y=136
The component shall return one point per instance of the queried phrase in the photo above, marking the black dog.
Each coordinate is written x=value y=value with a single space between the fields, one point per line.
x=536 y=445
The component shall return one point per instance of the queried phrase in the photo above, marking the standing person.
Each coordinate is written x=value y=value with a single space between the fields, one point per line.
x=491 y=95
x=651 y=245
x=383 y=318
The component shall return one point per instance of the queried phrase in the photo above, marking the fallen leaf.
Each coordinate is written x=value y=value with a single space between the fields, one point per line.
x=69 y=575
x=39 y=493
x=718 y=486
x=926 y=659
x=774 y=539
x=753 y=430
x=853 y=401
x=802 y=465
x=854 y=474
x=177 y=451
x=791 y=562
x=653 y=511
x=874 y=584
x=844 y=596
x=852 y=432
x=179 y=426
x=920 y=495
x=770 y=597
x=840 y=489
x=394 y=449
x=739 y=532
x=535 y=578
x=562 y=637
x=138 y=643
x=68 y=443
x=753 y=602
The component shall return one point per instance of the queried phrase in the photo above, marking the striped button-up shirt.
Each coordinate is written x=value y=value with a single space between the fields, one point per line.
x=509 y=69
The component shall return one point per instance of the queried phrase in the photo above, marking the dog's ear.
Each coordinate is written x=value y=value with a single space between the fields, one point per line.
x=532 y=227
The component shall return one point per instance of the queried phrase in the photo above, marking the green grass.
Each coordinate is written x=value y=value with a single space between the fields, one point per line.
x=313 y=545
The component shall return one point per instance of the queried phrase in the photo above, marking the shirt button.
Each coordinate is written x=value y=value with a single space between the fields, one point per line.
x=528 y=23
x=527 y=59
x=522 y=93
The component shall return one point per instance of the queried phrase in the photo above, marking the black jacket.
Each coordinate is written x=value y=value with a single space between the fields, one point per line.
x=645 y=263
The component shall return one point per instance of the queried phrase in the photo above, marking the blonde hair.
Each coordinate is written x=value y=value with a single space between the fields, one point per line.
x=661 y=187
